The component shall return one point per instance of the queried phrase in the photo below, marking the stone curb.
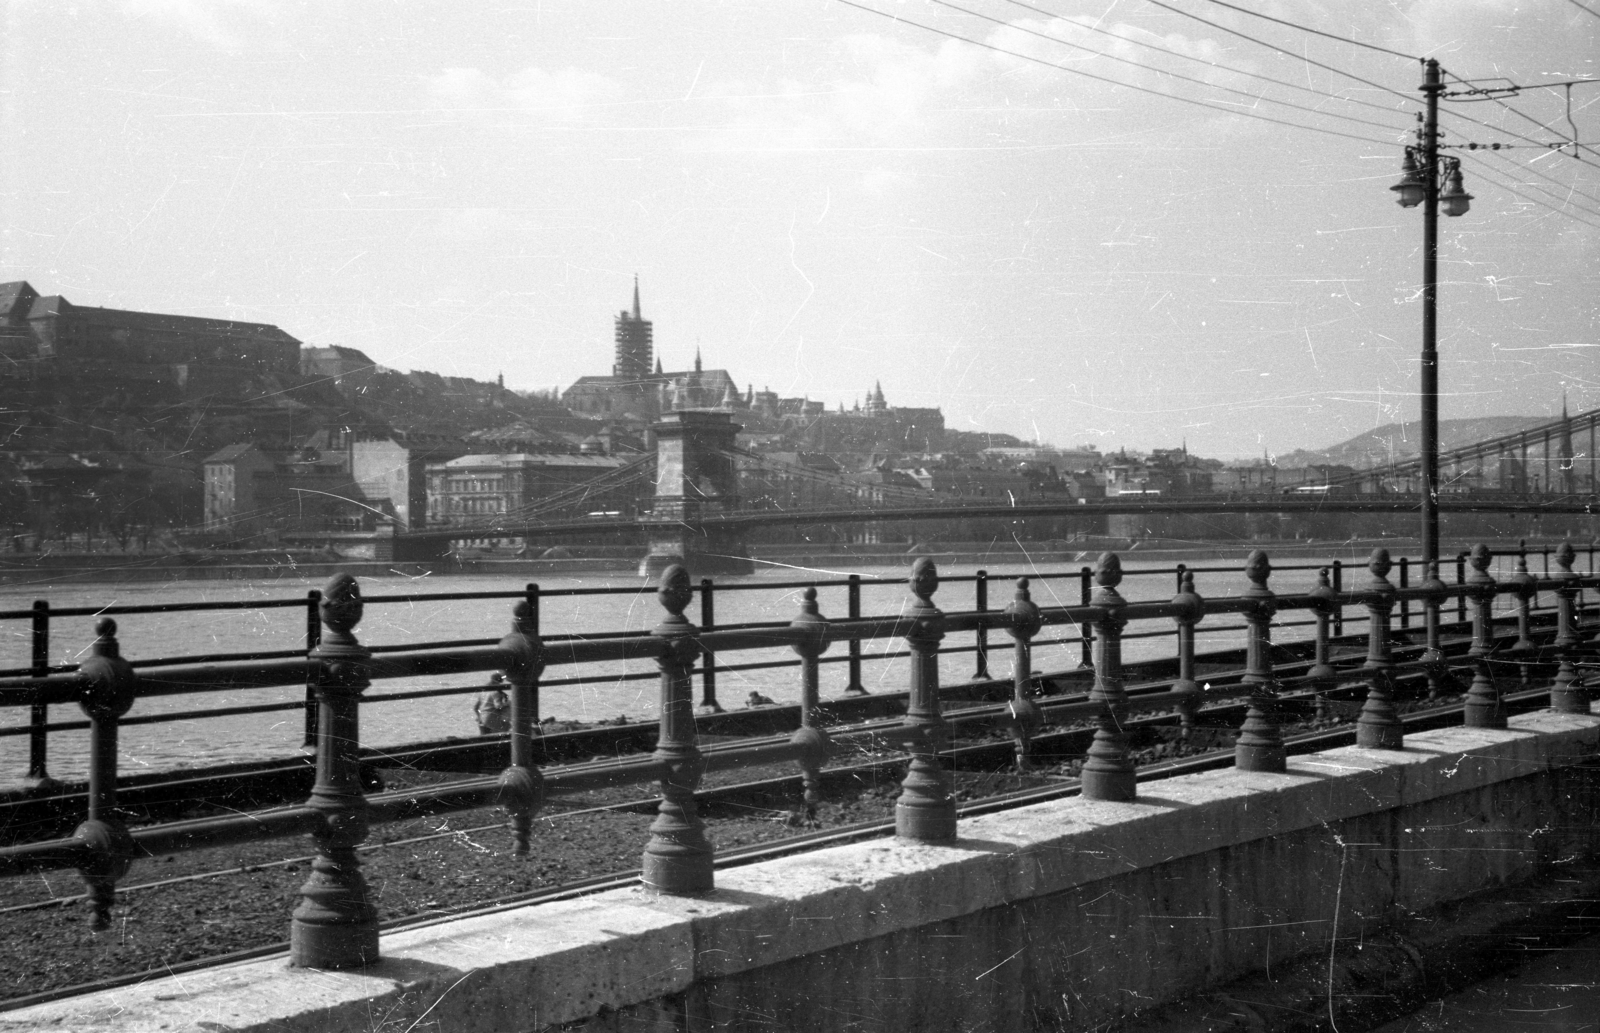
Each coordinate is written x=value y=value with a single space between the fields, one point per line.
x=569 y=960
x=1421 y=958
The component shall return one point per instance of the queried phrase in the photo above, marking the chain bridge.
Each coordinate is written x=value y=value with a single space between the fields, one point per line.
x=701 y=516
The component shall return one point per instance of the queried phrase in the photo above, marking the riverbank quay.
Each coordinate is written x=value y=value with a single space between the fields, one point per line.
x=1064 y=915
x=336 y=926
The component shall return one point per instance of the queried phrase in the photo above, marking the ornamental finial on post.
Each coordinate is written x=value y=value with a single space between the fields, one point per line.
x=108 y=682
x=924 y=582
x=341 y=608
x=1480 y=558
x=1108 y=571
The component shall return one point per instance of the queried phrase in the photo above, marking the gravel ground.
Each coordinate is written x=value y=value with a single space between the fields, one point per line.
x=471 y=864
x=433 y=865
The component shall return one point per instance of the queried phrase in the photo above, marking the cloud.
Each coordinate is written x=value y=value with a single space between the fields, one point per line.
x=568 y=95
x=215 y=22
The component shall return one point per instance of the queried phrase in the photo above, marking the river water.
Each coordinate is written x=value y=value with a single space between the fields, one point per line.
x=192 y=742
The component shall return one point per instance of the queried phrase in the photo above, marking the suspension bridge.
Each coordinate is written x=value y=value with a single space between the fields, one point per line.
x=705 y=495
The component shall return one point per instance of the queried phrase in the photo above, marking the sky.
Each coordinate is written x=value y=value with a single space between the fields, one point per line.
x=1025 y=218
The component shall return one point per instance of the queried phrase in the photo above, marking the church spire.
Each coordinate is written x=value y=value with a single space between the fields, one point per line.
x=636 y=314
x=697 y=358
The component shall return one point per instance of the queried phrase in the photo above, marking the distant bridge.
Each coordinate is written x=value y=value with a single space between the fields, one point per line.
x=955 y=509
x=709 y=494
x=1562 y=451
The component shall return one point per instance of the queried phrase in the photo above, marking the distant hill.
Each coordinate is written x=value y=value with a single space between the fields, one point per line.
x=1399 y=441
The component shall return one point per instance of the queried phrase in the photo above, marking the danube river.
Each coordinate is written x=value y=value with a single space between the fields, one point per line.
x=604 y=697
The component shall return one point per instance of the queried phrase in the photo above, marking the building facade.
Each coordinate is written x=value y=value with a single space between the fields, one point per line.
x=478 y=490
x=56 y=329
x=251 y=491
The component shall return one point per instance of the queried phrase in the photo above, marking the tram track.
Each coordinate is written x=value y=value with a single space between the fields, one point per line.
x=1071 y=742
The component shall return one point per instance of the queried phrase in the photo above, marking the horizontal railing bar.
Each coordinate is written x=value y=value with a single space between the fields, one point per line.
x=618 y=646
x=227 y=830
x=116 y=610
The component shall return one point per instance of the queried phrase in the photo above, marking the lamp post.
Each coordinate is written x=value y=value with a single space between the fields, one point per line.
x=1433 y=182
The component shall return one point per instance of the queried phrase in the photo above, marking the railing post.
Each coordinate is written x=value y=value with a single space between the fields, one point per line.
x=1461 y=579
x=1380 y=599
x=1567 y=694
x=980 y=591
x=109 y=686
x=1086 y=629
x=1260 y=745
x=1108 y=772
x=1482 y=589
x=308 y=741
x=1023 y=623
x=708 y=660
x=1482 y=709
x=811 y=740
x=1405 y=604
x=1525 y=591
x=521 y=784
x=1440 y=680
x=1321 y=672
x=39 y=713
x=1378 y=727
x=678 y=858
x=853 y=612
x=1186 y=690
x=1338 y=591
x=335 y=925
x=925 y=811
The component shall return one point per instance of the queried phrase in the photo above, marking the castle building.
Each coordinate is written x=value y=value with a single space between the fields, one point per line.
x=53 y=328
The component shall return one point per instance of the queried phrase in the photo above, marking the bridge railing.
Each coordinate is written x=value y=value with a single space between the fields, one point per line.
x=42 y=618
x=336 y=922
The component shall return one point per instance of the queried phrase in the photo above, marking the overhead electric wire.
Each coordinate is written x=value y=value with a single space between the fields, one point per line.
x=1113 y=82
x=1285 y=53
x=1557 y=198
x=1176 y=75
x=1314 y=32
x=1590 y=11
x=1483 y=172
x=1198 y=60
x=1542 y=175
x=1523 y=115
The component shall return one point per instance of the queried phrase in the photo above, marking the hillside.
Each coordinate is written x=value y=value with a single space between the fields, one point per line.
x=1399 y=441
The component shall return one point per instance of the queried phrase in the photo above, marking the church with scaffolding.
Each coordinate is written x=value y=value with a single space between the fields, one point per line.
x=638 y=387
x=639 y=390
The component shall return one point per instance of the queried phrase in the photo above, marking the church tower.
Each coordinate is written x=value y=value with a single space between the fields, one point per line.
x=634 y=343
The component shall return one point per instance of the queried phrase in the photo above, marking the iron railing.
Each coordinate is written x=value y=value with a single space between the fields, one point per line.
x=42 y=617
x=336 y=925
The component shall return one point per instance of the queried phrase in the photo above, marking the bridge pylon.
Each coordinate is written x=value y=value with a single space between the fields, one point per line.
x=695 y=478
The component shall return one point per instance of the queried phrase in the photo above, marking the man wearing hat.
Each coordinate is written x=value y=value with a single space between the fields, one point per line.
x=493 y=707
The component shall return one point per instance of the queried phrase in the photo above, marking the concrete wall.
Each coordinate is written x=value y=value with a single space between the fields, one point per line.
x=1056 y=916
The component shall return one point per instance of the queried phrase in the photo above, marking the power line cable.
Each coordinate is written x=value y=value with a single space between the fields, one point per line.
x=1523 y=115
x=1565 y=201
x=1531 y=200
x=1113 y=82
x=1591 y=12
x=1543 y=175
x=1315 y=32
x=1177 y=75
x=1197 y=60
x=1286 y=53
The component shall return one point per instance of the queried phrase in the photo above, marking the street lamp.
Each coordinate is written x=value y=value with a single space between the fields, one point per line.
x=1433 y=181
